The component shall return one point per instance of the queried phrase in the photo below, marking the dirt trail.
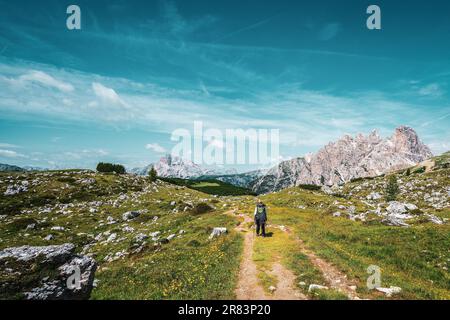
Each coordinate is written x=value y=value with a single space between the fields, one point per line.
x=335 y=278
x=248 y=287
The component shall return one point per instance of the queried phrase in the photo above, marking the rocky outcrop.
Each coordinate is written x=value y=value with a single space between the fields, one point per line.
x=45 y=273
x=346 y=159
x=285 y=174
x=243 y=180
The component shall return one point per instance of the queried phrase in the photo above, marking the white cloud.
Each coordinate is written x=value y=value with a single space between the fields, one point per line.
x=10 y=154
x=8 y=145
x=106 y=94
x=155 y=147
x=46 y=80
x=431 y=90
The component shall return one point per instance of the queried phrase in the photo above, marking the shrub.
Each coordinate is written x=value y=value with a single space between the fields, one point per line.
x=109 y=167
x=201 y=207
x=408 y=172
x=310 y=187
x=420 y=170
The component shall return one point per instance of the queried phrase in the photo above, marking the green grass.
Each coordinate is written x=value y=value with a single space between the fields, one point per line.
x=207 y=270
x=408 y=257
x=210 y=186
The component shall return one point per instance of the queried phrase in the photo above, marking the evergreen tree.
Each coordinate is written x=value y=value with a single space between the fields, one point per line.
x=109 y=167
x=391 y=189
x=152 y=175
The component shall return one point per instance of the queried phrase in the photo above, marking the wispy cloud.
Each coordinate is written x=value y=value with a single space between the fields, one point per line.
x=10 y=154
x=42 y=78
x=8 y=145
x=431 y=90
x=107 y=95
x=329 y=31
x=155 y=147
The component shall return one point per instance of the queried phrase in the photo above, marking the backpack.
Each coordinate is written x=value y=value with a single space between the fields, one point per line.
x=260 y=212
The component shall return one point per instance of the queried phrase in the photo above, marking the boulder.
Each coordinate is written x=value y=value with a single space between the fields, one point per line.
x=130 y=215
x=23 y=269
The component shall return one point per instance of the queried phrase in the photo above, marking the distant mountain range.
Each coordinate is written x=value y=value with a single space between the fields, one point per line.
x=10 y=168
x=336 y=163
x=13 y=168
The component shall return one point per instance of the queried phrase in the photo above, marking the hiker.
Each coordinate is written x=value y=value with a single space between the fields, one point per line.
x=260 y=218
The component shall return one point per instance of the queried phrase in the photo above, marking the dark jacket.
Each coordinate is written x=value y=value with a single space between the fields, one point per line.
x=260 y=213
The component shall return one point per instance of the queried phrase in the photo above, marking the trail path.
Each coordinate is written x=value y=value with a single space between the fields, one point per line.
x=248 y=287
x=335 y=278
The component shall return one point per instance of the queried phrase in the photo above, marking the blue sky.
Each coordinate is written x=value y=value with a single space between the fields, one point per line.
x=115 y=90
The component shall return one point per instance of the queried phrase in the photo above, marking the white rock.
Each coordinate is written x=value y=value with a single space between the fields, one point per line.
x=112 y=237
x=130 y=215
x=217 y=232
x=171 y=237
x=390 y=291
x=313 y=287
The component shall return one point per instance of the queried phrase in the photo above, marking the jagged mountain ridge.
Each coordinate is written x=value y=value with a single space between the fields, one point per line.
x=348 y=158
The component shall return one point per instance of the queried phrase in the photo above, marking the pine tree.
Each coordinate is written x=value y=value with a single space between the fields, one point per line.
x=391 y=189
x=152 y=175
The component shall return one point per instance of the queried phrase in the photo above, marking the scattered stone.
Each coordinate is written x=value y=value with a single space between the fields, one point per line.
x=49 y=237
x=31 y=226
x=130 y=215
x=127 y=229
x=390 y=291
x=217 y=232
x=434 y=219
x=112 y=237
x=155 y=234
x=171 y=237
x=16 y=189
x=313 y=287
x=110 y=220
x=141 y=237
x=374 y=196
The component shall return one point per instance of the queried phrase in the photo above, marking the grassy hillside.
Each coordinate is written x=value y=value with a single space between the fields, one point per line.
x=210 y=186
x=87 y=208
x=415 y=258
x=345 y=227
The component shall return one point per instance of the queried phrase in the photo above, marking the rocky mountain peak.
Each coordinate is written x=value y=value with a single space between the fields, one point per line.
x=348 y=158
